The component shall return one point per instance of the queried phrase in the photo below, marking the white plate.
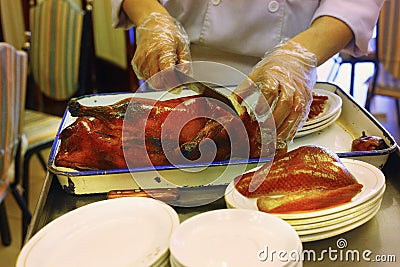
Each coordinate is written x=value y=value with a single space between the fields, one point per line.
x=327 y=234
x=332 y=105
x=232 y=237
x=117 y=232
x=329 y=219
x=343 y=222
x=372 y=179
x=318 y=126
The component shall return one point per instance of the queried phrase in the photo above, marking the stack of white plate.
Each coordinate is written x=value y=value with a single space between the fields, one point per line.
x=235 y=238
x=324 y=223
x=331 y=112
x=118 y=232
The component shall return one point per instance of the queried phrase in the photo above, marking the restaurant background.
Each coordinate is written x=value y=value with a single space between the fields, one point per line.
x=113 y=48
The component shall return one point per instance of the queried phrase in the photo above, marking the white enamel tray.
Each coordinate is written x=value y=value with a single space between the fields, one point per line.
x=337 y=136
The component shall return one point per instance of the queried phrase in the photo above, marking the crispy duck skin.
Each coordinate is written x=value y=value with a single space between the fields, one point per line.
x=80 y=145
x=308 y=200
x=94 y=140
x=304 y=179
x=114 y=111
x=305 y=168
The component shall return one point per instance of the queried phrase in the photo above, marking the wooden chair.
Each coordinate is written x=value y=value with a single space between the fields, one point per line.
x=386 y=78
x=60 y=50
x=13 y=74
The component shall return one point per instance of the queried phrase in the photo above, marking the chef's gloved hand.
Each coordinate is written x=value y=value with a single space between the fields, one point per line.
x=161 y=43
x=286 y=77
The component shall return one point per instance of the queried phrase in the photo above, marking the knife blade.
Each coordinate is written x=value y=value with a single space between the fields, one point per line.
x=167 y=194
x=181 y=196
x=208 y=91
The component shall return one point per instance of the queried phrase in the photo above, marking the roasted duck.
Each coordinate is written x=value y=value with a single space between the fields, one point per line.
x=96 y=139
x=317 y=105
x=367 y=143
x=307 y=178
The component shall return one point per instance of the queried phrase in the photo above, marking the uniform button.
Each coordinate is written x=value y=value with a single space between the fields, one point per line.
x=216 y=2
x=273 y=6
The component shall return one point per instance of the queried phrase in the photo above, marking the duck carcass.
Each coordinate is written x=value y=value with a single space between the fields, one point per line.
x=137 y=132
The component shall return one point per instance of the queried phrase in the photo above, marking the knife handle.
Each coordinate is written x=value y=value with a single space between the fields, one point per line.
x=169 y=194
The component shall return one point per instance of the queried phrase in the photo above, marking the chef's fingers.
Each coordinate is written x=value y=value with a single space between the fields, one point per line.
x=162 y=43
x=139 y=63
x=302 y=98
x=168 y=56
x=243 y=90
x=294 y=67
x=284 y=105
x=276 y=85
x=183 y=55
x=270 y=87
x=161 y=76
x=267 y=81
x=295 y=118
x=145 y=62
x=151 y=65
x=248 y=94
x=176 y=56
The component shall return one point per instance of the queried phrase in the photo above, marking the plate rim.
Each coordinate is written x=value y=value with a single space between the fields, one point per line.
x=321 y=123
x=328 y=234
x=342 y=224
x=320 y=127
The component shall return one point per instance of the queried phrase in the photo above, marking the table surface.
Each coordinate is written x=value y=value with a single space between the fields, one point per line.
x=379 y=237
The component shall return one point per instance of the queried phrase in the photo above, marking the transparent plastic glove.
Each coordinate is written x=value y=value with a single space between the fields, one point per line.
x=286 y=77
x=161 y=43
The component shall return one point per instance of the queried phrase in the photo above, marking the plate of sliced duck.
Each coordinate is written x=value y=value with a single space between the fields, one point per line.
x=325 y=109
x=313 y=190
x=324 y=105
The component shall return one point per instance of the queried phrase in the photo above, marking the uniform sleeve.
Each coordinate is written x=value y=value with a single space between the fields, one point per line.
x=119 y=18
x=360 y=15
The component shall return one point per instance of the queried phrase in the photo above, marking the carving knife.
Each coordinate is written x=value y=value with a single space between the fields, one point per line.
x=182 y=196
x=208 y=91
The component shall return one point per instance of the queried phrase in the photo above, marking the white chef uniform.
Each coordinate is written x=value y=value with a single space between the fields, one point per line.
x=239 y=32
